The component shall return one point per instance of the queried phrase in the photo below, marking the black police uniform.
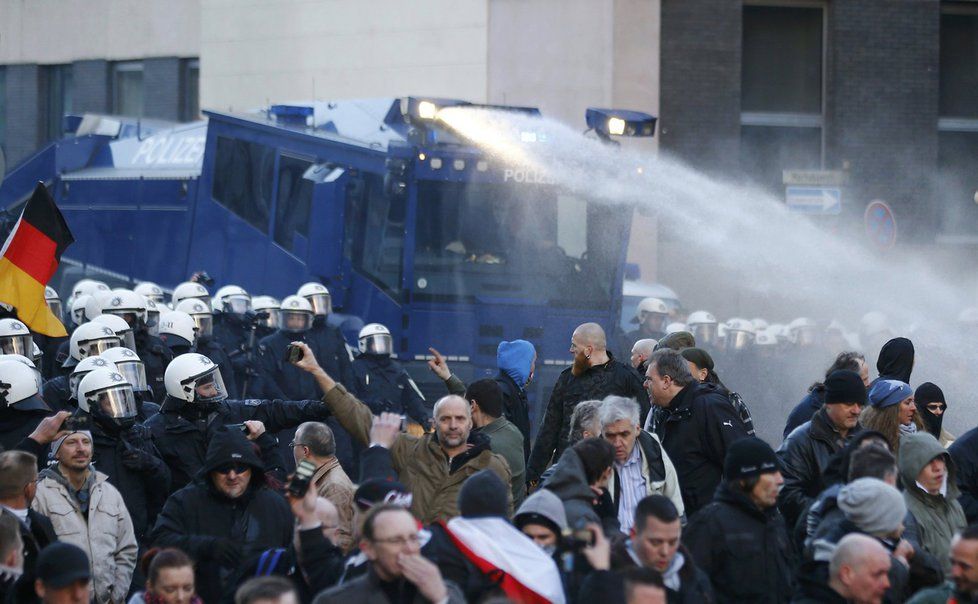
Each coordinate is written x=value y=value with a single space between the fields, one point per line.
x=386 y=387
x=155 y=357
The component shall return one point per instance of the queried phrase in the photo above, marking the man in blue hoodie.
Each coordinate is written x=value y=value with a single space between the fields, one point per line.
x=516 y=361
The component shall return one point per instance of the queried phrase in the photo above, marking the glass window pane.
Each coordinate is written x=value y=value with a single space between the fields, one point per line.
x=767 y=150
x=128 y=87
x=191 y=91
x=959 y=65
x=957 y=159
x=59 y=85
x=293 y=201
x=375 y=231
x=782 y=59
x=243 y=180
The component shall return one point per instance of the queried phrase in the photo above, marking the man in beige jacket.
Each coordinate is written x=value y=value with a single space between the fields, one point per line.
x=87 y=511
x=314 y=441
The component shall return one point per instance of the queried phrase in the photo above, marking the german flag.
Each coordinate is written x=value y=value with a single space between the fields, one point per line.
x=30 y=257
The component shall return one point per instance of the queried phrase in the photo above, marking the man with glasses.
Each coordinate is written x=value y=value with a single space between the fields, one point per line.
x=314 y=441
x=226 y=517
x=397 y=571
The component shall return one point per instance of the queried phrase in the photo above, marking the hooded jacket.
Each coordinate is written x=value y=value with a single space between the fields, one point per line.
x=594 y=384
x=202 y=521
x=433 y=479
x=543 y=504
x=938 y=517
x=569 y=483
x=896 y=360
x=515 y=359
x=106 y=534
x=744 y=550
x=964 y=452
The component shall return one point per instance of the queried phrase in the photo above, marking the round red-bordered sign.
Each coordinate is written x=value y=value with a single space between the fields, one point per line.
x=881 y=225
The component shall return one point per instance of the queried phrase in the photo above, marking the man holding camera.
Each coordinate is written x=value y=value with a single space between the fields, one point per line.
x=433 y=466
x=226 y=516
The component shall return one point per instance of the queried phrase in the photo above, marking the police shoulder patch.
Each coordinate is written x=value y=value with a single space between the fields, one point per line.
x=252 y=402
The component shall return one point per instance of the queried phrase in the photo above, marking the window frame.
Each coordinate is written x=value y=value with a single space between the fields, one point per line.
x=133 y=66
x=274 y=219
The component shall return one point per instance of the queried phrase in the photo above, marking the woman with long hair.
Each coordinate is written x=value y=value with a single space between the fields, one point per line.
x=169 y=578
x=891 y=411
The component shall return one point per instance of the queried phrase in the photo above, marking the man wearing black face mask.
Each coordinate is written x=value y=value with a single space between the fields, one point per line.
x=930 y=402
x=196 y=407
x=122 y=448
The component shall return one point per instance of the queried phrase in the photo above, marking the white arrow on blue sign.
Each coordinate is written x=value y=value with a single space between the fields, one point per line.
x=814 y=200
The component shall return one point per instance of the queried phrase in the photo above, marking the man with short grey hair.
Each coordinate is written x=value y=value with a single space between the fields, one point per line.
x=315 y=441
x=638 y=471
x=641 y=352
x=584 y=421
x=694 y=422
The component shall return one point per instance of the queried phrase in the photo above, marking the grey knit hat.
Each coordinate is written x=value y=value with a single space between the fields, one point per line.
x=872 y=505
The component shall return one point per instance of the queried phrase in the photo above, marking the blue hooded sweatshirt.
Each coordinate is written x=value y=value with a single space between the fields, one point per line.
x=514 y=359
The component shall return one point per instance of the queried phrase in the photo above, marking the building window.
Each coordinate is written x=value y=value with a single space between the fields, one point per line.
x=190 y=104
x=3 y=105
x=782 y=115
x=293 y=202
x=58 y=84
x=127 y=88
x=243 y=180
x=957 y=123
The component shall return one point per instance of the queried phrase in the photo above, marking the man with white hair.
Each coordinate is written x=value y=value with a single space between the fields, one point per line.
x=858 y=572
x=641 y=466
x=641 y=353
x=432 y=466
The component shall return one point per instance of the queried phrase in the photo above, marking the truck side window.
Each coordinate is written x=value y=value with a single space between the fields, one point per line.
x=243 y=180
x=293 y=201
x=375 y=232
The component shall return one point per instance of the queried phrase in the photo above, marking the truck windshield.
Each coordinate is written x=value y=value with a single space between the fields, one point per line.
x=515 y=241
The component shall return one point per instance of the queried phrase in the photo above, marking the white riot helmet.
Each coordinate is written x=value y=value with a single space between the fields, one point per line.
x=38 y=354
x=129 y=364
x=703 y=326
x=740 y=334
x=90 y=340
x=653 y=306
x=295 y=314
x=194 y=378
x=190 y=289
x=15 y=338
x=150 y=291
x=759 y=324
x=97 y=301
x=801 y=331
x=78 y=309
x=269 y=306
x=53 y=301
x=318 y=296
x=765 y=338
x=128 y=305
x=374 y=338
x=152 y=317
x=177 y=328
x=26 y=361
x=676 y=327
x=18 y=386
x=231 y=299
x=84 y=367
x=108 y=397
x=87 y=287
x=200 y=312
x=120 y=327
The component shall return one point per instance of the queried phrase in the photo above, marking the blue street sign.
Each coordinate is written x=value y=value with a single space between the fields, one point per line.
x=813 y=200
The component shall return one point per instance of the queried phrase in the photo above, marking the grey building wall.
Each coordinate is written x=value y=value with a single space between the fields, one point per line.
x=162 y=89
x=24 y=98
x=91 y=86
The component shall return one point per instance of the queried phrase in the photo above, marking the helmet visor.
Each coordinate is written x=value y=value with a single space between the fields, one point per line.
x=237 y=305
x=739 y=340
x=20 y=344
x=128 y=340
x=704 y=333
x=117 y=403
x=205 y=325
x=153 y=322
x=380 y=343
x=131 y=317
x=322 y=304
x=55 y=307
x=135 y=374
x=210 y=387
x=296 y=321
x=93 y=348
x=274 y=318
x=73 y=380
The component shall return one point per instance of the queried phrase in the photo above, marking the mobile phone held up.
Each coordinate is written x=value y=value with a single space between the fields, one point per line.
x=243 y=427
x=293 y=353
x=299 y=484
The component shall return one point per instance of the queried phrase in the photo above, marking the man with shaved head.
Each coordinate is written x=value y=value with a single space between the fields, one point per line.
x=432 y=466
x=593 y=375
x=858 y=572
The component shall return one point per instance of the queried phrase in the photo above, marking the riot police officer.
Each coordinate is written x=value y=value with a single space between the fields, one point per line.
x=197 y=405
x=151 y=350
x=381 y=381
x=203 y=318
x=329 y=339
x=281 y=379
x=651 y=316
x=21 y=406
x=267 y=320
x=123 y=448
x=49 y=345
x=150 y=291
x=234 y=329
x=178 y=332
x=190 y=290
x=89 y=340
x=128 y=363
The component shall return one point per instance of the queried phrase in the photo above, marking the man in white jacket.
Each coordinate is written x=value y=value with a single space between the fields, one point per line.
x=87 y=511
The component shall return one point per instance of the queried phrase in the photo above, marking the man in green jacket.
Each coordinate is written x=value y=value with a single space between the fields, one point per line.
x=486 y=398
x=432 y=466
x=963 y=586
x=931 y=494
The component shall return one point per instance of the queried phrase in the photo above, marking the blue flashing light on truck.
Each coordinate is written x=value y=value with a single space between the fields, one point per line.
x=405 y=222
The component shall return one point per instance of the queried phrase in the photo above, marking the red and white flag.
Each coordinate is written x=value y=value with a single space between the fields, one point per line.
x=496 y=547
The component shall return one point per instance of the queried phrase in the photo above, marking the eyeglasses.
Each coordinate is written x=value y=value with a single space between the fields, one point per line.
x=239 y=468
x=413 y=539
x=295 y=444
